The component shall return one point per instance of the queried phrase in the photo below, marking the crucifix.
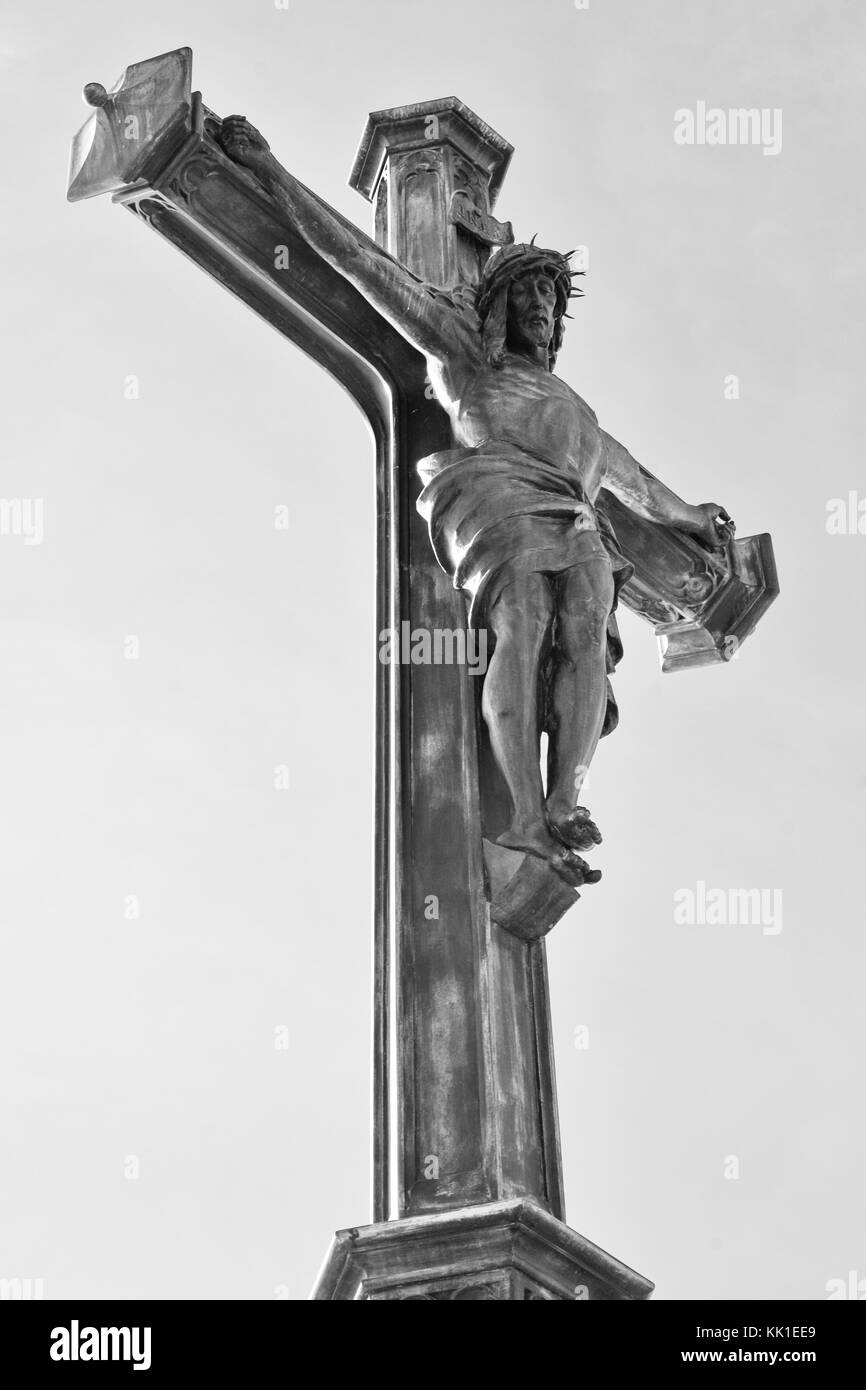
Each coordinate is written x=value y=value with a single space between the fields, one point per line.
x=506 y=514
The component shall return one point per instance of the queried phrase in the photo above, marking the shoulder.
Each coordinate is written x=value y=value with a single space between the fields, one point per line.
x=573 y=396
x=588 y=410
x=455 y=309
x=460 y=298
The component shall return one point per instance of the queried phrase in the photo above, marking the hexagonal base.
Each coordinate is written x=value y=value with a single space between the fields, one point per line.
x=504 y=1250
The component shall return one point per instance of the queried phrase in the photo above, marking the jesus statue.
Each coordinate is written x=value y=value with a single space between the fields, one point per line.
x=511 y=507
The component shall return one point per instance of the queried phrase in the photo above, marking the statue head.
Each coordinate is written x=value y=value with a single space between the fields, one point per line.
x=522 y=300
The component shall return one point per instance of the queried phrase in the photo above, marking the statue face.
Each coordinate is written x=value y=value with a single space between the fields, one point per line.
x=531 y=312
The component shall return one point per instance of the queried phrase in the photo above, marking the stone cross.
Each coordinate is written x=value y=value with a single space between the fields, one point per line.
x=468 y=1191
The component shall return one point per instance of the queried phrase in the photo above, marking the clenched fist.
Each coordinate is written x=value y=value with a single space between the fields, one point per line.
x=713 y=525
x=243 y=143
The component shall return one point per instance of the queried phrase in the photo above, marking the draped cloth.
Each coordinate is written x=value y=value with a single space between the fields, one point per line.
x=496 y=512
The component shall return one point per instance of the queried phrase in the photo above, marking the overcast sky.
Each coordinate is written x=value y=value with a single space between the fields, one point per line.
x=153 y=1037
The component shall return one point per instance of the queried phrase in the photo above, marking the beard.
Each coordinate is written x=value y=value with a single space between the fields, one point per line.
x=536 y=335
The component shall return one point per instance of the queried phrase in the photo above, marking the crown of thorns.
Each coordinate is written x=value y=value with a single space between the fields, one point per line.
x=511 y=262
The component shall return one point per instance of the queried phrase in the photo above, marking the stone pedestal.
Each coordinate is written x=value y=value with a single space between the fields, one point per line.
x=505 y=1250
x=527 y=896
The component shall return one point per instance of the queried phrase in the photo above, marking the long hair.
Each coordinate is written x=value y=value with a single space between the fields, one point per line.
x=503 y=268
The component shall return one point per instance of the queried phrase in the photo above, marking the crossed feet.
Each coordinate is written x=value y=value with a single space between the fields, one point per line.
x=556 y=840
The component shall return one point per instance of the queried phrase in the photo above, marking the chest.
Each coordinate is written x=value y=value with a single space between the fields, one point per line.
x=531 y=408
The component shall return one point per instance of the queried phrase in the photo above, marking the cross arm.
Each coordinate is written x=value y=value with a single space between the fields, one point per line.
x=154 y=145
x=428 y=322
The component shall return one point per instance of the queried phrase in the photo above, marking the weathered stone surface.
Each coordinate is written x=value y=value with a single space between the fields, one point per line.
x=502 y=1251
x=434 y=169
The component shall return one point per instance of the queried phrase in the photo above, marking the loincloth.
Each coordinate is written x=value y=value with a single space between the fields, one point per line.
x=496 y=513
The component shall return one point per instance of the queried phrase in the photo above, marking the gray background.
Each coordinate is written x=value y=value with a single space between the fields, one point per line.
x=155 y=1037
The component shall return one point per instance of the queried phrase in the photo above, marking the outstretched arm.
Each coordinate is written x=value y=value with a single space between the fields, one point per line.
x=428 y=323
x=651 y=499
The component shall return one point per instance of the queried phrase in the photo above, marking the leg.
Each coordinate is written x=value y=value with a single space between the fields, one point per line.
x=578 y=695
x=521 y=620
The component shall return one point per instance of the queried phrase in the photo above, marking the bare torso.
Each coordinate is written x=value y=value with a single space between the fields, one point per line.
x=523 y=404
